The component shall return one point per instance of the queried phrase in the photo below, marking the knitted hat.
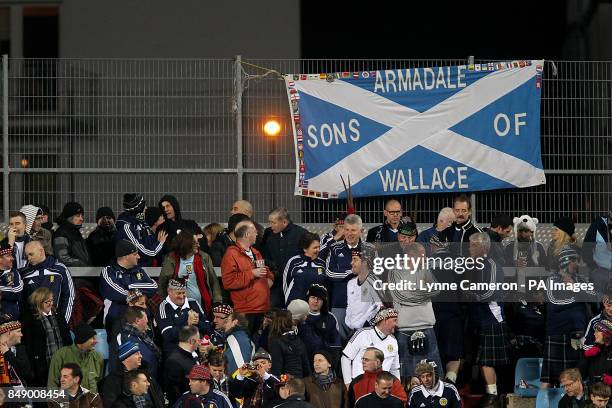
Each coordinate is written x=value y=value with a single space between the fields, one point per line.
x=9 y=326
x=299 y=309
x=152 y=214
x=566 y=255
x=132 y=295
x=262 y=354
x=104 y=212
x=5 y=248
x=177 y=284
x=82 y=333
x=124 y=247
x=199 y=372
x=127 y=349
x=407 y=227
x=605 y=327
x=325 y=354
x=222 y=308
x=133 y=203
x=566 y=225
x=71 y=208
x=30 y=213
x=384 y=314
x=320 y=292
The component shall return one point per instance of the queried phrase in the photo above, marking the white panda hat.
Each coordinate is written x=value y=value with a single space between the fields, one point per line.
x=525 y=221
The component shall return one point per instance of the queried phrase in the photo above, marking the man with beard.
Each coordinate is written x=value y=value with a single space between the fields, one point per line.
x=100 y=241
x=68 y=244
x=175 y=223
x=525 y=251
x=432 y=392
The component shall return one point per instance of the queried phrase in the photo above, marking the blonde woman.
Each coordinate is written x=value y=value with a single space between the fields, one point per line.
x=44 y=332
x=562 y=237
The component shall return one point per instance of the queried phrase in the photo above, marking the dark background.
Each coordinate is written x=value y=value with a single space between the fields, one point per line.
x=411 y=30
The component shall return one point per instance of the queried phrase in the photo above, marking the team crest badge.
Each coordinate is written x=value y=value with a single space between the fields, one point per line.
x=443 y=402
x=390 y=348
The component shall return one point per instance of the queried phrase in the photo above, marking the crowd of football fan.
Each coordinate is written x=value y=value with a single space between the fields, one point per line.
x=295 y=319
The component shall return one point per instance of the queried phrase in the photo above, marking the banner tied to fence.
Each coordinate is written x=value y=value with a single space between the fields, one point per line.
x=422 y=130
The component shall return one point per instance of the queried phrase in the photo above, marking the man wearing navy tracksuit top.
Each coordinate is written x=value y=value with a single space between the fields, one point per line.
x=300 y=273
x=48 y=272
x=132 y=227
x=11 y=284
x=339 y=270
x=119 y=277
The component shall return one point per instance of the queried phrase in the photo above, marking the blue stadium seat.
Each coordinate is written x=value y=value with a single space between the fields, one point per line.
x=527 y=370
x=102 y=345
x=549 y=397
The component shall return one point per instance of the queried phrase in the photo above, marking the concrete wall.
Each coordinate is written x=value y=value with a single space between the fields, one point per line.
x=182 y=29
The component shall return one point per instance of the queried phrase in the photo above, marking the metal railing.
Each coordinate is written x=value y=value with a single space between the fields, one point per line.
x=90 y=130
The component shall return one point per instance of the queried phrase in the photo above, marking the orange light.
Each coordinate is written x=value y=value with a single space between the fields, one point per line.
x=25 y=163
x=272 y=128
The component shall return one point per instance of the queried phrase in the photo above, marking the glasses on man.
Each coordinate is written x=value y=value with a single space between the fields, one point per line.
x=48 y=301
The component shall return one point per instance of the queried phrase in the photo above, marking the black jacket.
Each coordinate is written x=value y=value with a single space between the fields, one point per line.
x=295 y=401
x=381 y=233
x=246 y=388
x=125 y=401
x=69 y=246
x=21 y=363
x=35 y=340
x=289 y=355
x=373 y=400
x=278 y=248
x=101 y=246
x=177 y=366
x=179 y=224
x=219 y=246
x=112 y=389
x=593 y=368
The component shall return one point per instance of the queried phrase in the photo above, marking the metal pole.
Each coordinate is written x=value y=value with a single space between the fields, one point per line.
x=238 y=114
x=5 y=139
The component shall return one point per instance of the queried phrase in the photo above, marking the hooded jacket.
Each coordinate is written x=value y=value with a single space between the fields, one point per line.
x=173 y=227
x=43 y=236
x=279 y=248
x=69 y=246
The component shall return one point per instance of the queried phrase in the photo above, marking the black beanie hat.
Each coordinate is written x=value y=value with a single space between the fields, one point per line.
x=133 y=203
x=71 y=208
x=325 y=354
x=82 y=333
x=565 y=224
x=105 y=212
x=319 y=291
x=124 y=247
x=152 y=214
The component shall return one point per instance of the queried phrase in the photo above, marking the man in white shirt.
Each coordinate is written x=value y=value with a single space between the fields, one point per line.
x=379 y=336
x=362 y=299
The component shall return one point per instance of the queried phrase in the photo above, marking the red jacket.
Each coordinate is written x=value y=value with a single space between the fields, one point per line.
x=364 y=384
x=248 y=294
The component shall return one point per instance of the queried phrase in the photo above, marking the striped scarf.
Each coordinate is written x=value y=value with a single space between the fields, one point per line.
x=324 y=381
x=54 y=338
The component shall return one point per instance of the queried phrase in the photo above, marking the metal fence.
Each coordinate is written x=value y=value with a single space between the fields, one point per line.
x=91 y=130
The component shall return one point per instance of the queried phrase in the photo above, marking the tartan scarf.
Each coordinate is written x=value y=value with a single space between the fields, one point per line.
x=129 y=329
x=8 y=376
x=54 y=338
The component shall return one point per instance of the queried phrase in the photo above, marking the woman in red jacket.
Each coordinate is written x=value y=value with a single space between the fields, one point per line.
x=186 y=261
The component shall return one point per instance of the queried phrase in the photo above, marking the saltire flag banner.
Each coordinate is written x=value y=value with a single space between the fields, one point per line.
x=422 y=130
